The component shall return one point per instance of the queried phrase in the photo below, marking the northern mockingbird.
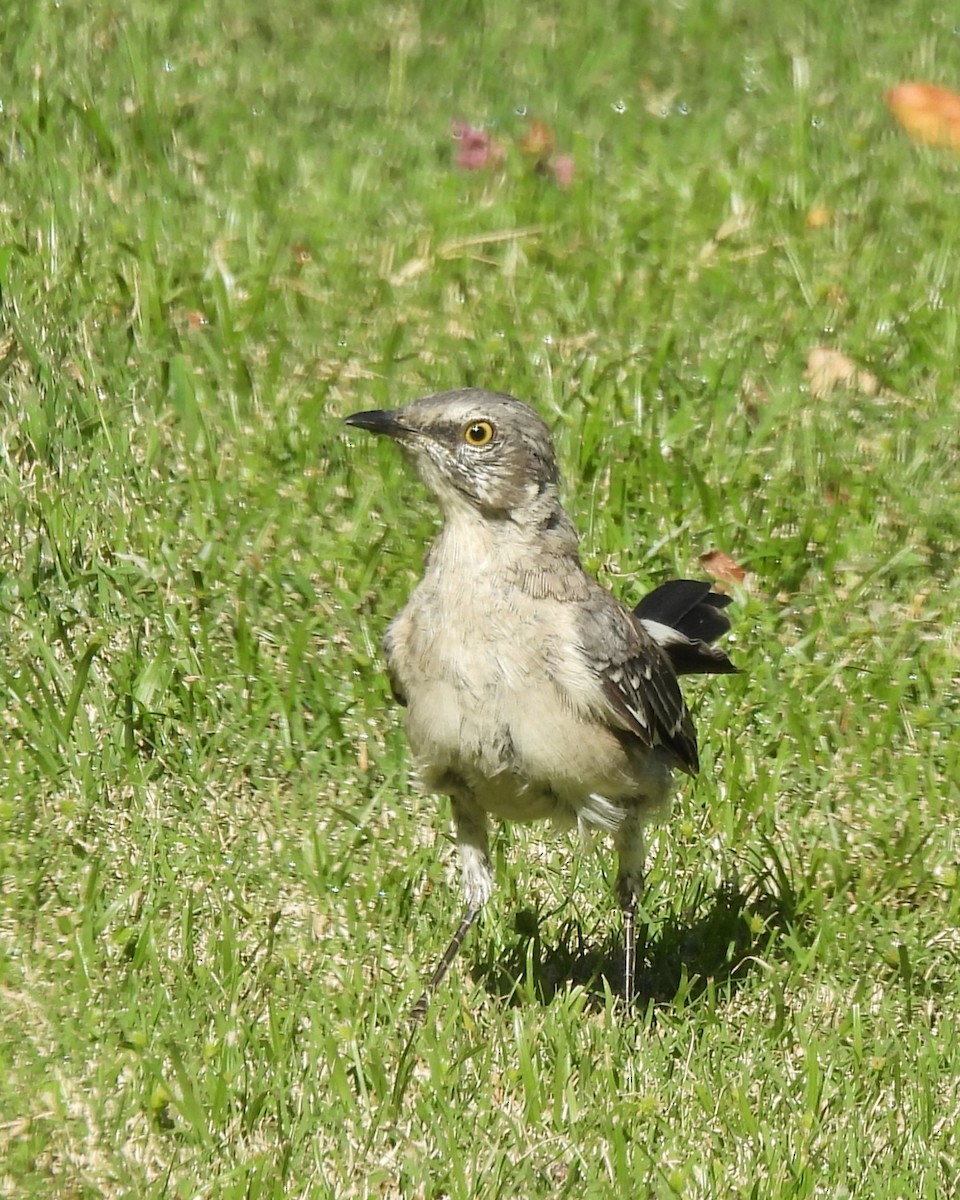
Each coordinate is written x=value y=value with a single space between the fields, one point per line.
x=531 y=692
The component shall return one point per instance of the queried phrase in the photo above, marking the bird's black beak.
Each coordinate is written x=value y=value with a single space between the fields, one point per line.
x=377 y=421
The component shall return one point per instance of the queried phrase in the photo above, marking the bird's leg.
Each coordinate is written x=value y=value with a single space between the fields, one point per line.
x=419 y=1010
x=477 y=875
x=629 y=949
x=630 y=850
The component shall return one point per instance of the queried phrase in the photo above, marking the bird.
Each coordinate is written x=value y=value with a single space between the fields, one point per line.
x=531 y=692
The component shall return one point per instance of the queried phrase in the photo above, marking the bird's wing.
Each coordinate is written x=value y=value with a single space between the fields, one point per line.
x=639 y=685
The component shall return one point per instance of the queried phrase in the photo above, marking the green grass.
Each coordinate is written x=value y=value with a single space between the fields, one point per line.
x=222 y=229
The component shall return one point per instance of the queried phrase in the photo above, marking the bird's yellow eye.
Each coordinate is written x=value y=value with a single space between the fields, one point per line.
x=478 y=433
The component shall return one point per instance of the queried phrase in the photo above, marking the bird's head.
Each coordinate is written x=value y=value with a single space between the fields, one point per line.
x=476 y=450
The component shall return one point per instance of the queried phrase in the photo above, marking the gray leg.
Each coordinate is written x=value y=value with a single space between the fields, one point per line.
x=629 y=950
x=419 y=1010
x=630 y=850
x=477 y=876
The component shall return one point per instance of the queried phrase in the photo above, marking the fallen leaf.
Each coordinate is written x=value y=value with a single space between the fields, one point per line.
x=477 y=148
x=721 y=567
x=929 y=114
x=563 y=169
x=829 y=369
x=537 y=142
x=190 y=320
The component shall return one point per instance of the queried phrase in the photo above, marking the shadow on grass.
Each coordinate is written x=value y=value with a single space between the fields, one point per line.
x=717 y=947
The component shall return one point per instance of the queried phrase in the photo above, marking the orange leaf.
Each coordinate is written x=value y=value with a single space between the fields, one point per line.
x=818 y=217
x=929 y=114
x=537 y=142
x=722 y=567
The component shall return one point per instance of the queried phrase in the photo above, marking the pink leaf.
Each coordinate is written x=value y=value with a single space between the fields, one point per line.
x=563 y=169
x=477 y=149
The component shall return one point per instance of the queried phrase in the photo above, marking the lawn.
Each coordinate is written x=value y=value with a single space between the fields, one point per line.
x=223 y=228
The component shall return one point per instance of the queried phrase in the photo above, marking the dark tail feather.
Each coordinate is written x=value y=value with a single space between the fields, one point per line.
x=688 y=608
